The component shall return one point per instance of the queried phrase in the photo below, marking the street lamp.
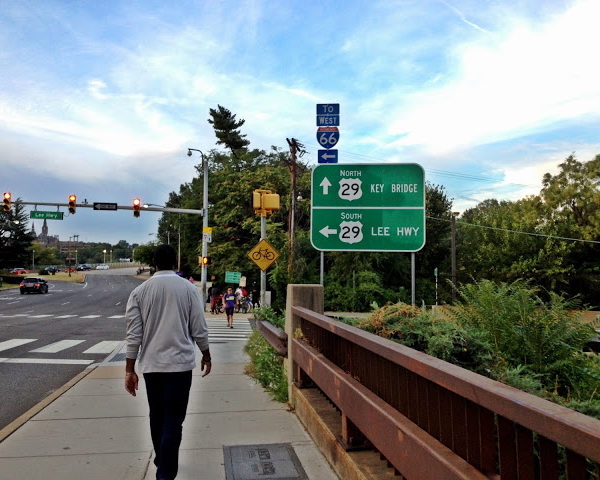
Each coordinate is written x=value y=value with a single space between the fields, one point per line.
x=104 y=258
x=204 y=217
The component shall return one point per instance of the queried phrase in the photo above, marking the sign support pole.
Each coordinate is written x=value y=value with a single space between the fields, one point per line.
x=263 y=273
x=322 y=266
x=204 y=225
x=412 y=278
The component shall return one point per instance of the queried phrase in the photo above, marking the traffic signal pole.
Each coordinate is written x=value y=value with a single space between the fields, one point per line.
x=204 y=225
x=263 y=273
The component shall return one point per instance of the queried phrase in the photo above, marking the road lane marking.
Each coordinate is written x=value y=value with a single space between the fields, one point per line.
x=117 y=316
x=105 y=346
x=12 y=303
x=91 y=316
x=40 y=316
x=66 y=303
x=65 y=316
x=53 y=361
x=15 y=342
x=57 y=346
x=118 y=303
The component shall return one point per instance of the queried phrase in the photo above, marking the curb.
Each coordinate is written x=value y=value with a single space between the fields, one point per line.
x=25 y=417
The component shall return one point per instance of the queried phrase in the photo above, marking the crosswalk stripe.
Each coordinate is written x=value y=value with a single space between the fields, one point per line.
x=229 y=339
x=57 y=346
x=53 y=361
x=66 y=316
x=40 y=316
x=117 y=316
x=91 y=316
x=15 y=342
x=106 y=346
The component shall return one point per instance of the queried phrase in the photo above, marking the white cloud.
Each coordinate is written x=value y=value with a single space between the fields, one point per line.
x=507 y=88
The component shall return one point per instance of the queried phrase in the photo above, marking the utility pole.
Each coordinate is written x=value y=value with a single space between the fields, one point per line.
x=295 y=148
x=453 y=254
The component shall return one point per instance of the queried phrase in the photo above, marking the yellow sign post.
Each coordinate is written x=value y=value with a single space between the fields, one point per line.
x=263 y=254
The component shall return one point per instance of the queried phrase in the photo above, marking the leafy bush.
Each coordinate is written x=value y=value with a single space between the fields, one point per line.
x=266 y=367
x=546 y=340
x=43 y=271
x=269 y=315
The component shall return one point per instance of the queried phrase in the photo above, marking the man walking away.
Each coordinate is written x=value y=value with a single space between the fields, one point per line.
x=164 y=319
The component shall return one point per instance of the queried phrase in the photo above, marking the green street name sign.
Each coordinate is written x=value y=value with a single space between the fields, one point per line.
x=233 y=277
x=368 y=207
x=35 y=214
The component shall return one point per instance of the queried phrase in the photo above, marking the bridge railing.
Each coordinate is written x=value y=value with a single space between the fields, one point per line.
x=432 y=419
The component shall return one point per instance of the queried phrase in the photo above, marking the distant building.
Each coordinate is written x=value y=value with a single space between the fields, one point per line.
x=45 y=239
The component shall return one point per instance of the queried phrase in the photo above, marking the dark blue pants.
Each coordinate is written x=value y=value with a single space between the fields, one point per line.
x=168 y=395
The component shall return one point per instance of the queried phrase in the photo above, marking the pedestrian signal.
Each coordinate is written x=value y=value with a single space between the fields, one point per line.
x=137 y=203
x=72 y=204
x=206 y=261
x=6 y=199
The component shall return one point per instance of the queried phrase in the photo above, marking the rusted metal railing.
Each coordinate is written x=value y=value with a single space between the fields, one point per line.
x=435 y=420
x=276 y=337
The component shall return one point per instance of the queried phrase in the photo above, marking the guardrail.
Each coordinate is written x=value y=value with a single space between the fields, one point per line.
x=432 y=419
x=276 y=337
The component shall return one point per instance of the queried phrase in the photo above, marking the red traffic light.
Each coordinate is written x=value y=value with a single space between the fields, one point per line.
x=6 y=201
x=72 y=204
x=137 y=203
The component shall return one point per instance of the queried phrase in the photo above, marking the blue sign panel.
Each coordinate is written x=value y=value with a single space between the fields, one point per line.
x=328 y=108
x=328 y=120
x=328 y=156
x=328 y=136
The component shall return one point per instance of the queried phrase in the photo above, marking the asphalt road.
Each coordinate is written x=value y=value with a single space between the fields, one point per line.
x=45 y=340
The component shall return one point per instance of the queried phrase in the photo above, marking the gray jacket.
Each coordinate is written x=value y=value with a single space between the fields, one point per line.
x=164 y=319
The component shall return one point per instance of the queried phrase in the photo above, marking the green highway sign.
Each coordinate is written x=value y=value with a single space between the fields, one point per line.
x=35 y=214
x=233 y=277
x=368 y=207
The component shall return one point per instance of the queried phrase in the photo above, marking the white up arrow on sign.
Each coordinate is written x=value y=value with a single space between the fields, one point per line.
x=325 y=183
x=326 y=231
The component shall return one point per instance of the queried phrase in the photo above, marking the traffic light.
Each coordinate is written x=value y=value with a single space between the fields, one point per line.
x=206 y=261
x=72 y=204
x=137 y=203
x=6 y=205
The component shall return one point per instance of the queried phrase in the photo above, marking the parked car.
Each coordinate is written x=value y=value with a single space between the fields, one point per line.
x=69 y=269
x=83 y=266
x=19 y=271
x=102 y=266
x=33 y=284
x=52 y=270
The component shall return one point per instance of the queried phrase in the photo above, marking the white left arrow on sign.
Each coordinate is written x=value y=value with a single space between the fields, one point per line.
x=325 y=183
x=326 y=231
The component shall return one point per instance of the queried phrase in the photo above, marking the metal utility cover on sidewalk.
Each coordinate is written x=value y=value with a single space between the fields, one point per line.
x=276 y=461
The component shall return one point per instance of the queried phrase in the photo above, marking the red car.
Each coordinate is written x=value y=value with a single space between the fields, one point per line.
x=19 y=271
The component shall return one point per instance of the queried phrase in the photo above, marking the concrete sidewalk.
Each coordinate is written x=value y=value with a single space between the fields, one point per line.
x=96 y=430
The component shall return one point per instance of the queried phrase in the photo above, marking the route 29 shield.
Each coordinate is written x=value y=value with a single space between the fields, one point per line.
x=350 y=189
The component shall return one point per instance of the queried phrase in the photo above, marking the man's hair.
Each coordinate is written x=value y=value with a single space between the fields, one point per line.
x=165 y=257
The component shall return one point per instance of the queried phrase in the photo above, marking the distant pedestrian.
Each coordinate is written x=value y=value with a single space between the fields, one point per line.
x=191 y=279
x=164 y=319
x=229 y=298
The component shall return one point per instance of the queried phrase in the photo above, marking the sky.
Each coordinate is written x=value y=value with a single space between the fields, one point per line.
x=102 y=99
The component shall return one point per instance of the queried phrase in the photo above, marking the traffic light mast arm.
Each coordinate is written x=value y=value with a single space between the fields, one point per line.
x=119 y=207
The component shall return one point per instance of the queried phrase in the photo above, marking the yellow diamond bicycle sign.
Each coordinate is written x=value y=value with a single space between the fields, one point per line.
x=263 y=254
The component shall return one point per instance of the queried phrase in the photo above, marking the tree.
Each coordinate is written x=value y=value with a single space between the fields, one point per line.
x=44 y=255
x=227 y=129
x=145 y=253
x=15 y=240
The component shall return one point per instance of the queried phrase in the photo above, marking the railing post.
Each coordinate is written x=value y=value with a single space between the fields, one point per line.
x=307 y=296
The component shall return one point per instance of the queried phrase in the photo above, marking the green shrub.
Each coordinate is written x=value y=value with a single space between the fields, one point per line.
x=269 y=315
x=266 y=367
x=43 y=271
x=506 y=332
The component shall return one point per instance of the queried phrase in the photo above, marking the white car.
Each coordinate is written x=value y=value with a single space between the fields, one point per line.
x=102 y=266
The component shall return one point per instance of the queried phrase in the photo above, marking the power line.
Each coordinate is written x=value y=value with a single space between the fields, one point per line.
x=460 y=222
x=447 y=173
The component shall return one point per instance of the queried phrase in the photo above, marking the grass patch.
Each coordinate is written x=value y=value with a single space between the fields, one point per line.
x=266 y=367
